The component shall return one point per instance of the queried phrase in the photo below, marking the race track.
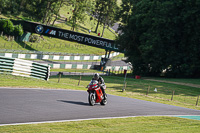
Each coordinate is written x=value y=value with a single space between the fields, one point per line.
x=40 y=105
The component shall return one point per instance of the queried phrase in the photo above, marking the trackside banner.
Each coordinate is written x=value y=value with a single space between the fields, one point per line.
x=70 y=36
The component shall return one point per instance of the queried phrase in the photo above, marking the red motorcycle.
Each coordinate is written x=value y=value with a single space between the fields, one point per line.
x=96 y=94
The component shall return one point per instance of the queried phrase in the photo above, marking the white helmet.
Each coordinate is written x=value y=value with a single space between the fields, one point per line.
x=96 y=76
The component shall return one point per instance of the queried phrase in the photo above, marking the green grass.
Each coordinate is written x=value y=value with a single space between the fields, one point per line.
x=136 y=88
x=190 y=81
x=51 y=45
x=125 y=125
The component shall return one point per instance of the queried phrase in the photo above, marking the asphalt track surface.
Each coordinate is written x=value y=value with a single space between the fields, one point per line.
x=40 y=105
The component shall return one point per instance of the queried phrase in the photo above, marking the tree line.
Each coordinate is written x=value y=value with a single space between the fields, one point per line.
x=48 y=11
x=161 y=37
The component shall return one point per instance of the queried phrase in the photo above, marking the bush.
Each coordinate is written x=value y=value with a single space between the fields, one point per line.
x=34 y=38
x=8 y=27
x=18 y=30
x=2 y=21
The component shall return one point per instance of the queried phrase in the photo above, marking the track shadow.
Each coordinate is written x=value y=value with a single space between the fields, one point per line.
x=75 y=102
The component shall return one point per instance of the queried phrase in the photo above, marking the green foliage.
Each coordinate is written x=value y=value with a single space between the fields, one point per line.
x=105 y=11
x=8 y=27
x=2 y=21
x=163 y=35
x=18 y=30
x=34 y=38
x=125 y=11
x=80 y=8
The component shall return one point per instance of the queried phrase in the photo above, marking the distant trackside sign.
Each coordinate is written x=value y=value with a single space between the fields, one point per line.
x=70 y=36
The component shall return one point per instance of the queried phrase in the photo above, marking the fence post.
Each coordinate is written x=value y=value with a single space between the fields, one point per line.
x=59 y=76
x=124 y=87
x=172 y=95
x=197 y=100
x=79 y=81
x=124 y=83
x=148 y=90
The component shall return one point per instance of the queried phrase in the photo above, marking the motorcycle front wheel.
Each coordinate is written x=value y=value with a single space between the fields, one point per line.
x=91 y=99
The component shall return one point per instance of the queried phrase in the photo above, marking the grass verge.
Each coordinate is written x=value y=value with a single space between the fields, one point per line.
x=137 y=124
x=182 y=80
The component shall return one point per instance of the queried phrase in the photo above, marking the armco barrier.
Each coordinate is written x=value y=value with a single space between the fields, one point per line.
x=85 y=66
x=55 y=57
x=24 y=68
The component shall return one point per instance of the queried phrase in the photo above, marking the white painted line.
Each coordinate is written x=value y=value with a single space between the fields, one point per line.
x=88 y=119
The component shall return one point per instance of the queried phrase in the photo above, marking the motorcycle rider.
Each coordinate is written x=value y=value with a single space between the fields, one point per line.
x=100 y=81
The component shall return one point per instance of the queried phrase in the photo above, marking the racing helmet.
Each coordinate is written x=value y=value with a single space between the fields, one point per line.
x=96 y=76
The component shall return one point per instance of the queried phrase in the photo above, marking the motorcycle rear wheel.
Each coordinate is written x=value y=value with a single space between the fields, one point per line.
x=91 y=99
x=104 y=101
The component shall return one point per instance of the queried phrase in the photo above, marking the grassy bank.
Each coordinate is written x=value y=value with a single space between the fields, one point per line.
x=126 y=125
x=51 y=45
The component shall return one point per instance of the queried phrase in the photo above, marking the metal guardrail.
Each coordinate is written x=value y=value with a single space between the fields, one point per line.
x=24 y=68
x=43 y=56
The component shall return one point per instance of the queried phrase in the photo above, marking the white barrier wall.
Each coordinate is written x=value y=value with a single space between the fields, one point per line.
x=24 y=68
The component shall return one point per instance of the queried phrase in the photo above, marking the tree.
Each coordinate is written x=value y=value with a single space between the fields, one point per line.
x=163 y=36
x=98 y=12
x=80 y=8
x=18 y=30
x=125 y=11
x=110 y=10
x=105 y=12
x=48 y=9
x=57 y=11
x=8 y=27
x=2 y=22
